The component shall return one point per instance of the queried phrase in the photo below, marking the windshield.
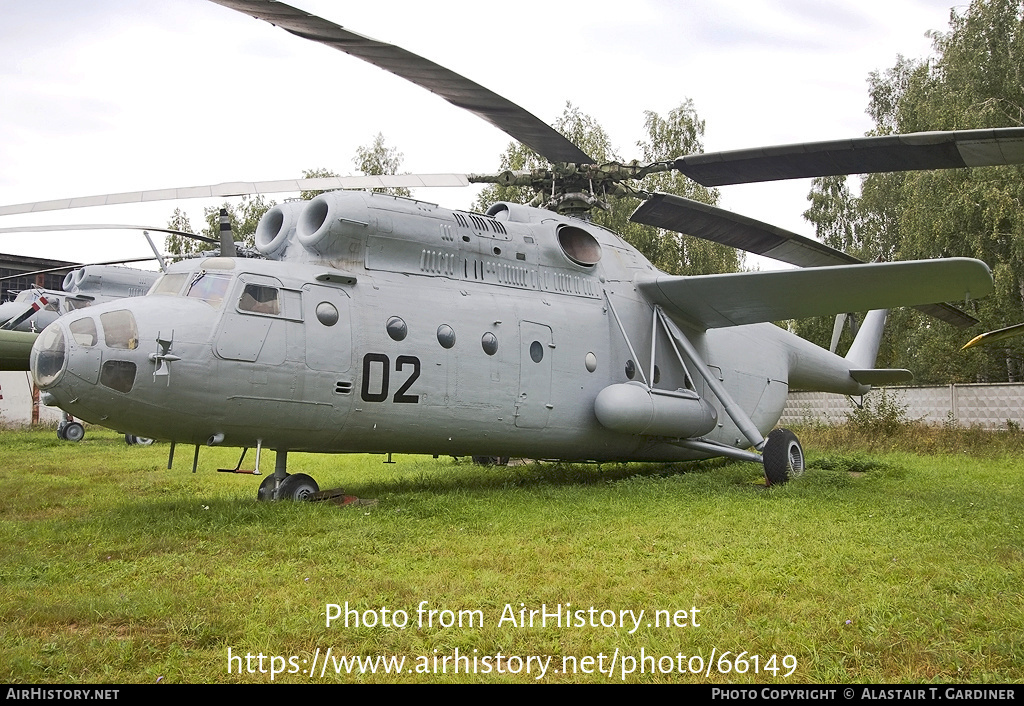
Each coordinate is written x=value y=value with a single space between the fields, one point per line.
x=209 y=287
x=170 y=285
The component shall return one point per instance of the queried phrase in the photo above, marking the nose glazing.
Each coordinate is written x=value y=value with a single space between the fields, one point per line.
x=49 y=356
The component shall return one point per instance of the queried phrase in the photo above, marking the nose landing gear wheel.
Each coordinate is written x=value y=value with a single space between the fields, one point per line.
x=73 y=431
x=783 y=457
x=490 y=460
x=293 y=487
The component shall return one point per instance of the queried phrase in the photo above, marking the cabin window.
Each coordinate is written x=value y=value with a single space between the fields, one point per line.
x=397 y=328
x=489 y=343
x=84 y=332
x=258 y=299
x=446 y=336
x=119 y=330
x=327 y=313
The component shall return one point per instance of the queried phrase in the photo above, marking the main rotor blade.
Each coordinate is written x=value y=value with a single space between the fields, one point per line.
x=243 y=188
x=720 y=226
x=104 y=226
x=457 y=90
x=889 y=153
x=994 y=336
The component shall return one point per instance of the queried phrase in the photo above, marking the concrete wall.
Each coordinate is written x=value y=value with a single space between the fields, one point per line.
x=988 y=406
x=16 y=405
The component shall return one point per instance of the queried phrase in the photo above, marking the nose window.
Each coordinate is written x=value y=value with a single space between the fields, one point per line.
x=84 y=332
x=48 y=355
x=119 y=330
x=118 y=375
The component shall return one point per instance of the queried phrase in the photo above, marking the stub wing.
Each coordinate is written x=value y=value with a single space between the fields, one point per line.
x=736 y=299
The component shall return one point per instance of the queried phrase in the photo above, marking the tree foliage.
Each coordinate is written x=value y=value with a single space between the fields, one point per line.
x=973 y=80
x=678 y=133
x=377 y=159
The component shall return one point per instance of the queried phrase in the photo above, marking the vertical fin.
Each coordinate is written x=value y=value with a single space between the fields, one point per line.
x=864 y=350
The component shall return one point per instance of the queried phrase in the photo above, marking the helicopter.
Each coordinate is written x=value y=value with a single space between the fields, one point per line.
x=378 y=323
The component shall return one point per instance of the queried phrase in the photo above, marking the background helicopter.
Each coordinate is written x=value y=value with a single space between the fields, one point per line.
x=694 y=330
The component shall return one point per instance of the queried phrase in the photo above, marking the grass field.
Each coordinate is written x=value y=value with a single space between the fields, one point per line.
x=878 y=565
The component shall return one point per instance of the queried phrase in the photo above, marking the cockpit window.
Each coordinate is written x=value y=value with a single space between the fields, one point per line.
x=259 y=299
x=84 y=331
x=119 y=330
x=209 y=287
x=170 y=284
x=75 y=304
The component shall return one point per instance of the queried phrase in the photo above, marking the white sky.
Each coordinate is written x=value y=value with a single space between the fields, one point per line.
x=118 y=95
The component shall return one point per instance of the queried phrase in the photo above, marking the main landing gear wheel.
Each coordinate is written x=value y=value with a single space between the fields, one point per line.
x=133 y=440
x=783 y=457
x=296 y=487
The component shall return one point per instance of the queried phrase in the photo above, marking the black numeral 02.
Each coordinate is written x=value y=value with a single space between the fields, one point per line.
x=384 y=365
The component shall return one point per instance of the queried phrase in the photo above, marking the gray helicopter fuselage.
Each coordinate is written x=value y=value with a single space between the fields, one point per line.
x=37 y=308
x=385 y=324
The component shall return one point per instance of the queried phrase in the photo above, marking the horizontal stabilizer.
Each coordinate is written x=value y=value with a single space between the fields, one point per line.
x=720 y=226
x=881 y=376
x=736 y=299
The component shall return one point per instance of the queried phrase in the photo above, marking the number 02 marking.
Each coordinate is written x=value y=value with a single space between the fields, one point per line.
x=381 y=362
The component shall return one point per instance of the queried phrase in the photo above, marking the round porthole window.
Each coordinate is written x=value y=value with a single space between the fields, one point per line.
x=536 y=351
x=630 y=369
x=446 y=336
x=397 y=329
x=326 y=313
x=489 y=343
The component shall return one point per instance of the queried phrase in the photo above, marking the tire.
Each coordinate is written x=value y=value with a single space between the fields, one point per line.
x=491 y=460
x=297 y=487
x=74 y=432
x=783 y=457
x=60 y=431
x=266 y=491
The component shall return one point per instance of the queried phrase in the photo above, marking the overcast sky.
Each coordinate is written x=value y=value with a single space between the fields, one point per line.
x=119 y=95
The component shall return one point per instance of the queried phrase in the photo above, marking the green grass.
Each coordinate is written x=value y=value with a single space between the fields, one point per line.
x=878 y=565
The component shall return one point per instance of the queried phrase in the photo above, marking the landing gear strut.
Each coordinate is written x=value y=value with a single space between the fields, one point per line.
x=783 y=457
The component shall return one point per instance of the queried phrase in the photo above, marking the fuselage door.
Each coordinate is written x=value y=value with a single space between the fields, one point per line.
x=533 y=405
x=328 y=328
